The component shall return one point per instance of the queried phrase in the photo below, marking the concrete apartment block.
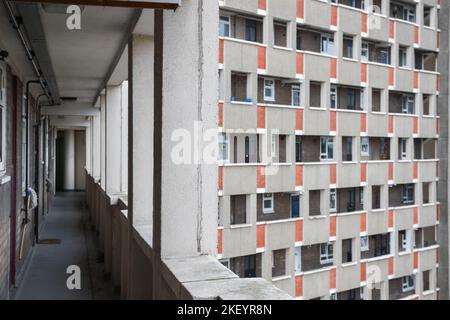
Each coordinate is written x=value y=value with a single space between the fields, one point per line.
x=329 y=124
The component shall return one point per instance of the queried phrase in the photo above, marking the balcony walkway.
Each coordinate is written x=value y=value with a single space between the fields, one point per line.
x=45 y=276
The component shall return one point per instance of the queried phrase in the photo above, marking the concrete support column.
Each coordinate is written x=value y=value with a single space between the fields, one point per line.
x=95 y=147
x=88 y=150
x=124 y=138
x=113 y=139
x=69 y=160
x=103 y=141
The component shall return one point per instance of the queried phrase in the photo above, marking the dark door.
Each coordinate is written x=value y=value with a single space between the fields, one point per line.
x=247 y=150
x=250 y=266
x=60 y=163
x=235 y=146
x=295 y=206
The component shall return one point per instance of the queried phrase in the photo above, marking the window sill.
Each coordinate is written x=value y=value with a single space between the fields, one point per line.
x=349 y=264
x=350 y=59
x=321 y=217
x=404 y=253
x=281 y=278
x=4 y=179
x=318 y=108
x=282 y=48
x=240 y=226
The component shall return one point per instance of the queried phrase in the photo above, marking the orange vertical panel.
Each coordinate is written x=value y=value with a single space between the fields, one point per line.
x=299 y=286
x=416 y=80
x=391 y=171
x=261 y=117
x=391 y=76
x=363 y=224
x=220 y=178
x=391 y=265
x=363 y=271
x=438 y=212
x=261 y=57
x=438 y=82
x=219 y=241
x=299 y=119
x=416 y=35
x=415 y=170
x=298 y=230
x=333 y=226
x=262 y=4
x=220 y=115
x=333 y=174
x=364 y=72
x=299 y=176
x=334 y=16
x=333 y=121
x=437 y=169
x=363 y=172
x=300 y=9
x=392 y=29
x=438 y=40
x=261 y=236
x=300 y=63
x=415 y=125
x=416 y=216
x=261 y=177
x=391 y=219
x=333 y=278
x=438 y=129
x=364 y=22
x=437 y=255
x=391 y=124
x=333 y=68
x=363 y=122
x=416 y=260
x=221 y=48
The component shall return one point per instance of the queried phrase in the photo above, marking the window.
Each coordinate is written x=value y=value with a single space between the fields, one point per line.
x=351 y=99
x=326 y=148
x=361 y=196
x=327 y=44
x=408 y=102
x=408 y=283
x=426 y=280
x=427 y=16
x=348 y=47
x=298 y=260
x=408 y=194
x=364 y=52
x=362 y=99
x=333 y=201
x=269 y=90
x=273 y=146
x=402 y=149
x=326 y=253
x=404 y=240
x=250 y=30
x=295 y=95
x=426 y=188
x=384 y=55
x=225 y=262
x=224 y=26
x=426 y=104
x=333 y=97
x=24 y=143
x=315 y=94
x=224 y=147
x=376 y=100
x=298 y=149
x=347 y=146
x=365 y=149
x=347 y=250
x=279 y=263
x=268 y=203
x=280 y=34
x=376 y=197
x=364 y=243
x=403 y=57
x=2 y=117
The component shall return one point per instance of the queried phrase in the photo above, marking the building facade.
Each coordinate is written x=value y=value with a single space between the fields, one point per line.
x=328 y=146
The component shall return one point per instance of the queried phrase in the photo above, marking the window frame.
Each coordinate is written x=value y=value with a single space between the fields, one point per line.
x=327 y=44
x=364 y=243
x=408 y=104
x=296 y=89
x=221 y=22
x=408 y=283
x=3 y=112
x=403 y=56
x=223 y=139
x=407 y=192
x=325 y=154
x=365 y=147
x=346 y=50
x=271 y=87
x=333 y=199
x=327 y=256
x=333 y=97
x=268 y=197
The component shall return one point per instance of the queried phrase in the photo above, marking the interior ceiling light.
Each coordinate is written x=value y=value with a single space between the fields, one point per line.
x=57 y=8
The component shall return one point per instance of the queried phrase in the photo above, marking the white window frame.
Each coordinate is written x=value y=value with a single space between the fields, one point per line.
x=365 y=147
x=296 y=90
x=324 y=154
x=408 y=104
x=327 y=45
x=225 y=263
x=327 y=256
x=222 y=22
x=403 y=148
x=364 y=51
x=269 y=84
x=224 y=140
x=273 y=145
x=407 y=191
x=333 y=96
x=407 y=285
x=3 y=110
x=361 y=196
x=298 y=260
x=352 y=38
x=364 y=246
x=267 y=197
x=333 y=201
x=403 y=55
x=362 y=99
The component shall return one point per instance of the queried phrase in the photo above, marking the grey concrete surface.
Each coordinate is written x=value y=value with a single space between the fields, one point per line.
x=46 y=275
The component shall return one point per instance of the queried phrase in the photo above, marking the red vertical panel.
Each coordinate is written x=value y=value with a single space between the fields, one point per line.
x=416 y=216
x=391 y=265
x=392 y=29
x=391 y=124
x=363 y=271
x=334 y=16
x=261 y=57
x=333 y=121
x=364 y=72
x=262 y=4
x=261 y=117
x=221 y=48
x=333 y=68
x=298 y=230
x=391 y=219
x=299 y=176
x=261 y=236
x=416 y=170
x=391 y=76
x=363 y=223
x=332 y=174
x=300 y=9
x=300 y=63
x=219 y=241
x=416 y=260
x=415 y=125
x=299 y=119
x=391 y=171
x=416 y=80
x=299 y=286
x=437 y=127
x=438 y=40
x=363 y=172
x=333 y=278
x=220 y=115
x=416 y=35
x=363 y=124
x=333 y=226
x=220 y=178
x=261 y=177
x=364 y=22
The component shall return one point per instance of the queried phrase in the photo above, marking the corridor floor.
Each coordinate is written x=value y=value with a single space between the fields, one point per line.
x=46 y=274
